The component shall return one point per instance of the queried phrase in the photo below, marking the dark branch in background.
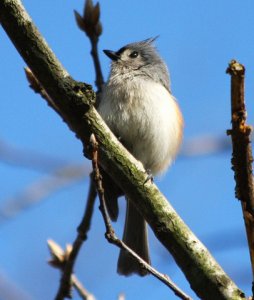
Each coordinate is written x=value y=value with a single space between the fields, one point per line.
x=75 y=101
x=91 y=25
x=242 y=154
x=58 y=260
x=66 y=283
x=110 y=233
x=55 y=166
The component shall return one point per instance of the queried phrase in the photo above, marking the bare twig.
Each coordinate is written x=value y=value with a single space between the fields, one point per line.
x=242 y=154
x=110 y=233
x=91 y=25
x=58 y=260
x=65 y=284
x=86 y=220
x=240 y=133
x=35 y=84
x=37 y=87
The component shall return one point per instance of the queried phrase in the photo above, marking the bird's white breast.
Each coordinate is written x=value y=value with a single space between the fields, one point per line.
x=146 y=117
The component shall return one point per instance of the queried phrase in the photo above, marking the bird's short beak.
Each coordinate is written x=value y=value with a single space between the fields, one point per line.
x=112 y=54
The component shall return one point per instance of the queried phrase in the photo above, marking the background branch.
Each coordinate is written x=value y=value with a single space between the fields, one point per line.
x=69 y=173
x=42 y=188
x=10 y=290
x=74 y=100
x=28 y=159
x=90 y=24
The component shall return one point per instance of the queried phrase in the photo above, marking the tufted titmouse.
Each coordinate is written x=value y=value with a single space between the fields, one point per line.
x=138 y=106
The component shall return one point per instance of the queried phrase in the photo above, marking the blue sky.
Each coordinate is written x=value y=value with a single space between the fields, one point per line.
x=197 y=40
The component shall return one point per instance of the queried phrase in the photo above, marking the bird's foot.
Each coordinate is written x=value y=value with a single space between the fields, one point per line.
x=149 y=176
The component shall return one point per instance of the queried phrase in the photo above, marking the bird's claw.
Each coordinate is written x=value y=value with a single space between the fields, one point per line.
x=149 y=176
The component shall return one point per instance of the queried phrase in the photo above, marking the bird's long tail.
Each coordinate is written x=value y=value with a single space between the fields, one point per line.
x=135 y=236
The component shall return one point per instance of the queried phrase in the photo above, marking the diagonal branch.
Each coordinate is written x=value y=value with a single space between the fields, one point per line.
x=242 y=154
x=74 y=101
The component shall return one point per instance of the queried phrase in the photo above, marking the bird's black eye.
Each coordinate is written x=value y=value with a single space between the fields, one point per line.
x=133 y=54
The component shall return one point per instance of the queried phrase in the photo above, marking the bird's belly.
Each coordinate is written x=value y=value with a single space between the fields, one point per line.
x=148 y=121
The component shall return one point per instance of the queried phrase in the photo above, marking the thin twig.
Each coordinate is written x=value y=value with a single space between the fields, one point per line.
x=110 y=233
x=86 y=220
x=94 y=53
x=91 y=25
x=58 y=260
x=37 y=87
x=242 y=154
x=64 y=290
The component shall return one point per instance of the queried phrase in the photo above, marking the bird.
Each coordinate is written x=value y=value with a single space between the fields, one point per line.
x=138 y=106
